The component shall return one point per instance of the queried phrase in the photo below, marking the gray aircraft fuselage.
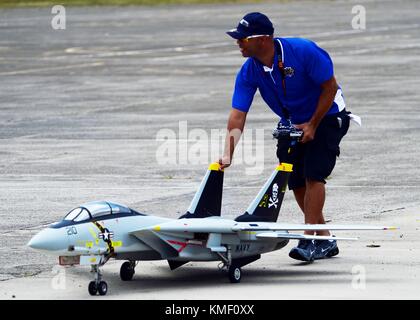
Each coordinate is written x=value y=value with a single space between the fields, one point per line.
x=115 y=234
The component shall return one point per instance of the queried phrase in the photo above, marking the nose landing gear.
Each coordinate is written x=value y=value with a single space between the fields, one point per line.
x=97 y=286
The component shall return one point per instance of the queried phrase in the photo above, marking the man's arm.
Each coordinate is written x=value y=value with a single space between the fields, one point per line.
x=326 y=99
x=235 y=127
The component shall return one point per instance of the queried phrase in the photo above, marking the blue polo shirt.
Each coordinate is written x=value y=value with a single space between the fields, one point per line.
x=307 y=67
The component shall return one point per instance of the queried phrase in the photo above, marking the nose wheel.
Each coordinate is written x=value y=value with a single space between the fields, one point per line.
x=97 y=286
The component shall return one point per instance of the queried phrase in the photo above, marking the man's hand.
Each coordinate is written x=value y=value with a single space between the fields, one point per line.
x=235 y=127
x=224 y=162
x=308 y=131
x=326 y=99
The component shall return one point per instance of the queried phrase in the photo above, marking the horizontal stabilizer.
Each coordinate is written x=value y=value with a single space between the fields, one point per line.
x=279 y=235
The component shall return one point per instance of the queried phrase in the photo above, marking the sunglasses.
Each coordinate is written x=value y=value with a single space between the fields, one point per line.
x=254 y=36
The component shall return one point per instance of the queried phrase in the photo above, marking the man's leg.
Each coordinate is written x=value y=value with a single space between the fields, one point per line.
x=300 y=197
x=319 y=157
x=317 y=192
x=314 y=203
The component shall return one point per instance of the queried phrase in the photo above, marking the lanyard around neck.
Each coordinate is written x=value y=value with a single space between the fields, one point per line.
x=279 y=52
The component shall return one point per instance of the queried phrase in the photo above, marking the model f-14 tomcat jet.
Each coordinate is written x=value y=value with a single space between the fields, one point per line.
x=97 y=231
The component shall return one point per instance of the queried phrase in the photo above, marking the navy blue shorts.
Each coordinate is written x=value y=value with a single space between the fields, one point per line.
x=315 y=160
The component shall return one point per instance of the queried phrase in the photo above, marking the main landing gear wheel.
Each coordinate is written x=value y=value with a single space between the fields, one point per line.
x=235 y=274
x=127 y=270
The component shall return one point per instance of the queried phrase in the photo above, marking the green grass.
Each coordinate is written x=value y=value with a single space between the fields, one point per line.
x=50 y=3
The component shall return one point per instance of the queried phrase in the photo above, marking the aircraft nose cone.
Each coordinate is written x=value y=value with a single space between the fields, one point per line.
x=46 y=240
x=37 y=242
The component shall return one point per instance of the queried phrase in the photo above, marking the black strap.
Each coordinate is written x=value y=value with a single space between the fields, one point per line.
x=279 y=52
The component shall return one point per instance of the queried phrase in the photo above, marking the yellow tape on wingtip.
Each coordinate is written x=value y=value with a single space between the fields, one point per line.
x=215 y=166
x=287 y=167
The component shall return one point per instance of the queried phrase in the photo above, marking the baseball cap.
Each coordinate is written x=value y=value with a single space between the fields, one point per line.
x=254 y=23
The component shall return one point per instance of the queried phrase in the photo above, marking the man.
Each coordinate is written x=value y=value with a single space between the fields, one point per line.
x=295 y=78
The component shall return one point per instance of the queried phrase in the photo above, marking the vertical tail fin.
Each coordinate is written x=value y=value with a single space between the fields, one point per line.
x=208 y=198
x=266 y=205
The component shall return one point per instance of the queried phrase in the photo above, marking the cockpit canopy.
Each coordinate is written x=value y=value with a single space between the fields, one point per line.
x=97 y=209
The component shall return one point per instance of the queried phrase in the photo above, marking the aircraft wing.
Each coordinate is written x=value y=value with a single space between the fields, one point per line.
x=281 y=235
x=220 y=225
x=154 y=240
x=270 y=226
x=162 y=237
x=170 y=238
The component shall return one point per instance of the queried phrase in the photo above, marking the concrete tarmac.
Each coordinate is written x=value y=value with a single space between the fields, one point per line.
x=82 y=109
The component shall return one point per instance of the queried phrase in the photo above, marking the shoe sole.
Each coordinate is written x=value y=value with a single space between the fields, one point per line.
x=330 y=254
x=295 y=255
x=333 y=252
